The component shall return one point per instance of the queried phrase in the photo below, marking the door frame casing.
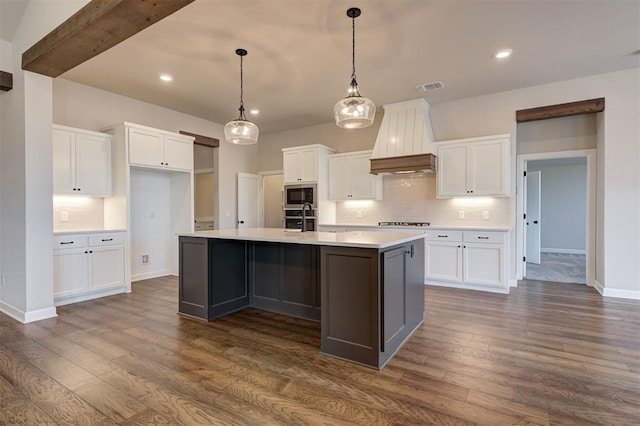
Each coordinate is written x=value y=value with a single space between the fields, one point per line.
x=242 y=175
x=526 y=234
x=521 y=163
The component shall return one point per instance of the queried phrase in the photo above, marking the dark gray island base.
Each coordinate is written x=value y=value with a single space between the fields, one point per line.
x=369 y=300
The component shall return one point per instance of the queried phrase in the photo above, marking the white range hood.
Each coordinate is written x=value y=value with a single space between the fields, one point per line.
x=405 y=140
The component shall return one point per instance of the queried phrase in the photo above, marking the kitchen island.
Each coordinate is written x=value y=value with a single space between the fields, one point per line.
x=366 y=288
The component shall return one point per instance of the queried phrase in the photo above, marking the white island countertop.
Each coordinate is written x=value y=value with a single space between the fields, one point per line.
x=362 y=239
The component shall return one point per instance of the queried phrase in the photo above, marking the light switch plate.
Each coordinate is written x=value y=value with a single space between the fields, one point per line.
x=64 y=216
x=485 y=214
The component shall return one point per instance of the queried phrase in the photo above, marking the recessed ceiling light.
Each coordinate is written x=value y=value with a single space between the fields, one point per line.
x=254 y=111
x=503 y=53
x=166 y=77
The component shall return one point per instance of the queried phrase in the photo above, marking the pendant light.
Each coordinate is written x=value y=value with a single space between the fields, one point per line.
x=354 y=111
x=241 y=131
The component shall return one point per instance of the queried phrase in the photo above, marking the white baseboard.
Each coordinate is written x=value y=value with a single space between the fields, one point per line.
x=149 y=275
x=622 y=294
x=513 y=283
x=563 y=251
x=598 y=287
x=500 y=290
x=89 y=296
x=29 y=316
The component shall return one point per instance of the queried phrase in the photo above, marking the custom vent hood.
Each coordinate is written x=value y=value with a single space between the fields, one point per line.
x=405 y=140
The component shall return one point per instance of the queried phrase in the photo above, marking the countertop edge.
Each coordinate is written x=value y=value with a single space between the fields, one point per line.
x=422 y=228
x=88 y=231
x=406 y=237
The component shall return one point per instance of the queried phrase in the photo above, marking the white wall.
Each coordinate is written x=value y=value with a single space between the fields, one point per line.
x=85 y=107
x=563 y=217
x=26 y=170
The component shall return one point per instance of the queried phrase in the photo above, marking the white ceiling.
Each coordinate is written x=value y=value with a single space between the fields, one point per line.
x=11 y=12
x=299 y=60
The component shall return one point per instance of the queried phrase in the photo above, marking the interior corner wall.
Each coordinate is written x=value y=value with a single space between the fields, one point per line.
x=600 y=198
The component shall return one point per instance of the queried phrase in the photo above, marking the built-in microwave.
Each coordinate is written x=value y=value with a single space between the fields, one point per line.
x=296 y=195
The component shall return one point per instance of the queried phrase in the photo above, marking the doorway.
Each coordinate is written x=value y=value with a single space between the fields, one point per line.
x=555 y=223
x=556 y=206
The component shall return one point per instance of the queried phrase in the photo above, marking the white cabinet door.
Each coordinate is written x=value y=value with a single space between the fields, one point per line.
x=107 y=267
x=64 y=178
x=339 y=178
x=487 y=169
x=70 y=269
x=483 y=264
x=146 y=148
x=93 y=164
x=291 y=167
x=308 y=165
x=178 y=153
x=364 y=185
x=444 y=261
x=452 y=176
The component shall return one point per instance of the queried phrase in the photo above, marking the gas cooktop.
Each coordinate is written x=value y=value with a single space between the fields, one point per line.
x=404 y=223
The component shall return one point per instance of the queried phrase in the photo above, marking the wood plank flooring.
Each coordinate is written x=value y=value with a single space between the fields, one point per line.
x=548 y=353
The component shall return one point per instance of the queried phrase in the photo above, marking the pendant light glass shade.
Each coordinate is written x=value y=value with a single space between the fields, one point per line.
x=241 y=131
x=354 y=111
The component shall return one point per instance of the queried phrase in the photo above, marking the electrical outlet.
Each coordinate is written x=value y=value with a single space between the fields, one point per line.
x=64 y=216
x=145 y=259
x=461 y=214
x=359 y=213
x=485 y=214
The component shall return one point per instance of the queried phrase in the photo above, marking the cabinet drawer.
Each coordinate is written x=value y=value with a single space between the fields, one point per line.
x=106 y=239
x=444 y=236
x=484 y=237
x=69 y=241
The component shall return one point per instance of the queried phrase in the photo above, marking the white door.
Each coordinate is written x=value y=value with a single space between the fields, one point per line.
x=247 y=201
x=178 y=153
x=107 y=267
x=93 y=164
x=532 y=222
x=70 y=272
x=444 y=261
x=146 y=148
x=483 y=264
x=452 y=171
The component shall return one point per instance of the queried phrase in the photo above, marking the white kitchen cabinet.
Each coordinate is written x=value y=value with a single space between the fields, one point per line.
x=349 y=177
x=159 y=149
x=474 y=167
x=473 y=259
x=300 y=165
x=87 y=266
x=82 y=162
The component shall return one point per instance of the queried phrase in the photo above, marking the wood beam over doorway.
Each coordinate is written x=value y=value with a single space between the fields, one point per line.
x=202 y=140
x=588 y=106
x=6 y=81
x=98 y=26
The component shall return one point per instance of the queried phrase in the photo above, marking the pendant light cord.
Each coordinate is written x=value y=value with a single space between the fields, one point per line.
x=353 y=48
x=241 y=85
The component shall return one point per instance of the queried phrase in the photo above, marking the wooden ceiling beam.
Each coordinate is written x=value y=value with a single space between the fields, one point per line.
x=6 y=81
x=202 y=140
x=588 y=106
x=98 y=26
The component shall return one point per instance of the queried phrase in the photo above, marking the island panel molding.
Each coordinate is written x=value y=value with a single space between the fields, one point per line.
x=98 y=26
x=588 y=106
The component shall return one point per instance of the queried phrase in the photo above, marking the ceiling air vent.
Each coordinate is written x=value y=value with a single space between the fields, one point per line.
x=427 y=87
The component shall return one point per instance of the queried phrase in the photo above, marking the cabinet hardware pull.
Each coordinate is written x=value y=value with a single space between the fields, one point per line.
x=66 y=242
x=443 y=236
x=483 y=238
x=85 y=252
x=107 y=239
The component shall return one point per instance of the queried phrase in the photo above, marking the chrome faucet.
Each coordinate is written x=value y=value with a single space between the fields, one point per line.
x=304 y=215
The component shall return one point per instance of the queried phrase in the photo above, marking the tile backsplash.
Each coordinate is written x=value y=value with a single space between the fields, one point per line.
x=412 y=198
x=82 y=213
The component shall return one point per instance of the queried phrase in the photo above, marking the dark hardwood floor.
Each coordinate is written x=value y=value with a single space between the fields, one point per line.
x=545 y=354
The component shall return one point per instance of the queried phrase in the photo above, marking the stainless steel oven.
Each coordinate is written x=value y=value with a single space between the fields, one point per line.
x=296 y=195
x=293 y=219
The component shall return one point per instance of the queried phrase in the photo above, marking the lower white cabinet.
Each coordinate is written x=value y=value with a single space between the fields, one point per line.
x=473 y=259
x=87 y=265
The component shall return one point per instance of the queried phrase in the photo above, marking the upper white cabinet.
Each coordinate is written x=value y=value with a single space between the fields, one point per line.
x=349 y=177
x=159 y=149
x=303 y=164
x=82 y=162
x=474 y=167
